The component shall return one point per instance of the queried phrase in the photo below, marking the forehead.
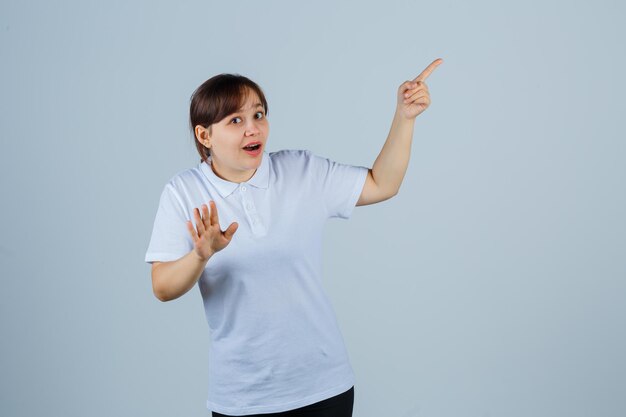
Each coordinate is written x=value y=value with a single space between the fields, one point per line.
x=252 y=101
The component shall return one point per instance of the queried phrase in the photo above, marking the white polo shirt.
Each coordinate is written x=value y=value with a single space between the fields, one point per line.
x=275 y=341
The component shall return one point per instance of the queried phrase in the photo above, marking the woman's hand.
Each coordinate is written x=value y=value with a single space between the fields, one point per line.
x=209 y=238
x=413 y=96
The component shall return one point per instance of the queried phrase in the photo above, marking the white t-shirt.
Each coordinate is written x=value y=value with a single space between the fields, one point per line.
x=275 y=341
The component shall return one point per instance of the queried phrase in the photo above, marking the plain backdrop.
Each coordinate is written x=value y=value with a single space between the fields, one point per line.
x=493 y=284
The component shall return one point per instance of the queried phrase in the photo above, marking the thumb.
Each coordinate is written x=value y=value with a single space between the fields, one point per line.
x=408 y=85
x=228 y=234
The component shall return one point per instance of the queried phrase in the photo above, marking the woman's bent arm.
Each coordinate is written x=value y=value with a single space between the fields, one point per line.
x=391 y=164
x=172 y=279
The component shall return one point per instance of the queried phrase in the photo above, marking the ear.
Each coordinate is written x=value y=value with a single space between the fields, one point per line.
x=202 y=133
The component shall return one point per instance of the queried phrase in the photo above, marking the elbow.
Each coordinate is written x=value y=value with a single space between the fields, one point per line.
x=160 y=295
x=391 y=194
x=395 y=192
x=158 y=291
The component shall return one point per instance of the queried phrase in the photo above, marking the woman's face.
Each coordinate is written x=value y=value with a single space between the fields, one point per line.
x=229 y=137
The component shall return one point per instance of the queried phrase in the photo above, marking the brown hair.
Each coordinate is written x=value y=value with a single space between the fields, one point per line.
x=215 y=99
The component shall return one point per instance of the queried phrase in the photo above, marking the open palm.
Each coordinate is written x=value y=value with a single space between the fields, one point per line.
x=208 y=238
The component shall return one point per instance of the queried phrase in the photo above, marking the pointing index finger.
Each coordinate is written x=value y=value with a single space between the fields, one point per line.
x=428 y=70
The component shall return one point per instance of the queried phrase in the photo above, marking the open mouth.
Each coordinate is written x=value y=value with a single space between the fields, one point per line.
x=252 y=147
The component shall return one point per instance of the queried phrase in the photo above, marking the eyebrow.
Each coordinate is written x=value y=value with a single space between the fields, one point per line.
x=255 y=106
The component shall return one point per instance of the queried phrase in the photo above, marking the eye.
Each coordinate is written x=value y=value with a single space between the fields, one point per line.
x=232 y=120
x=261 y=113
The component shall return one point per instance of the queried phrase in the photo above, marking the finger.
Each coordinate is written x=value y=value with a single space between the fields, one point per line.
x=228 y=234
x=407 y=86
x=214 y=217
x=423 y=101
x=205 y=216
x=413 y=87
x=192 y=231
x=199 y=224
x=412 y=91
x=418 y=95
x=428 y=70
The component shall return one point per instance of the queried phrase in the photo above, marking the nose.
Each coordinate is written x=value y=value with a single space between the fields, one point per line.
x=252 y=128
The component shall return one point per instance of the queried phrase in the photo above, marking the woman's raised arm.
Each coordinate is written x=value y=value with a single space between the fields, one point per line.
x=384 y=179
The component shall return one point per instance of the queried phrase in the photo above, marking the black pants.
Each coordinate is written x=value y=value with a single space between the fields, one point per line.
x=337 y=406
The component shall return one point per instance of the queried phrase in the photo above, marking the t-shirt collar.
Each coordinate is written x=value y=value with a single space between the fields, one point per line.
x=260 y=179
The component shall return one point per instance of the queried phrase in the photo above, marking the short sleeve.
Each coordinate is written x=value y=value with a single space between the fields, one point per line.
x=170 y=238
x=340 y=185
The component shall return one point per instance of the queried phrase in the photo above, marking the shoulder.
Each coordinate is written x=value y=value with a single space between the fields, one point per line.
x=304 y=162
x=303 y=156
x=289 y=155
x=181 y=182
x=290 y=159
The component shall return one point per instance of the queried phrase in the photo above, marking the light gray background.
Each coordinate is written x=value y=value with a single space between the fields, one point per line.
x=492 y=285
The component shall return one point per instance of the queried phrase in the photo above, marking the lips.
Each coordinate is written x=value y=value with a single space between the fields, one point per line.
x=256 y=151
x=253 y=143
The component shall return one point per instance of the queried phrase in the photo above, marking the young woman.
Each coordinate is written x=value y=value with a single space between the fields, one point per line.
x=255 y=249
